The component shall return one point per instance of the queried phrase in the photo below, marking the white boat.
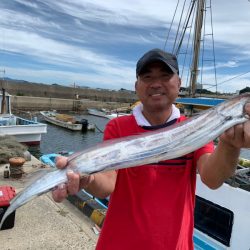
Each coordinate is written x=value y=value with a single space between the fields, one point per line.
x=24 y=130
x=222 y=216
x=104 y=113
x=66 y=121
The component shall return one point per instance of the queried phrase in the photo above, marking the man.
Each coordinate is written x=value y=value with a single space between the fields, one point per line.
x=152 y=206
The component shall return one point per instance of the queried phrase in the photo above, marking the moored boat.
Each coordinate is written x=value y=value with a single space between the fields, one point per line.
x=67 y=121
x=104 y=113
x=24 y=130
x=222 y=215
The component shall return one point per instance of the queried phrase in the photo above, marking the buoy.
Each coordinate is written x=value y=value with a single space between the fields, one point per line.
x=244 y=162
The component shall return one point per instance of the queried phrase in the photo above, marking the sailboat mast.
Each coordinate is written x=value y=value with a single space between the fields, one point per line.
x=196 y=45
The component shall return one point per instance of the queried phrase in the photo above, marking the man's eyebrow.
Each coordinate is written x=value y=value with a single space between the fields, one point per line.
x=145 y=71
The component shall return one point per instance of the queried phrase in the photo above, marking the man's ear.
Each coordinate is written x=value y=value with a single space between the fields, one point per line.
x=136 y=82
x=179 y=83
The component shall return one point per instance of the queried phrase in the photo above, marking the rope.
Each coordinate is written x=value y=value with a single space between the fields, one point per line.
x=186 y=22
x=215 y=71
x=213 y=47
x=231 y=79
x=164 y=47
x=16 y=171
x=99 y=129
x=187 y=48
x=177 y=33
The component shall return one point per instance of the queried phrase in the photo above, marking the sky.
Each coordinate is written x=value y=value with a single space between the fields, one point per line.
x=97 y=43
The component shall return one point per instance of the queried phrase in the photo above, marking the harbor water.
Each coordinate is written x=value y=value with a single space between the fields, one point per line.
x=59 y=139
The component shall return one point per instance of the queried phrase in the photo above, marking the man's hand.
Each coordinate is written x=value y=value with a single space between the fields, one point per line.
x=239 y=135
x=74 y=184
x=215 y=168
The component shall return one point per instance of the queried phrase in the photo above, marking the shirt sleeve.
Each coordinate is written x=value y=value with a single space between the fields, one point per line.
x=208 y=148
x=110 y=131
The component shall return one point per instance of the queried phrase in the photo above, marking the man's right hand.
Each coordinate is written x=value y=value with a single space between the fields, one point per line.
x=74 y=184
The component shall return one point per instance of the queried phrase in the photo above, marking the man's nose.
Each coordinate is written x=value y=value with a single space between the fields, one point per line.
x=156 y=82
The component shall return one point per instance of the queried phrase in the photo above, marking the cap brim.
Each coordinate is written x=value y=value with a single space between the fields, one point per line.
x=156 y=60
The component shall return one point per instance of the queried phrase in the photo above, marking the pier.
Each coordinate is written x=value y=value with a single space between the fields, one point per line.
x=43 y=223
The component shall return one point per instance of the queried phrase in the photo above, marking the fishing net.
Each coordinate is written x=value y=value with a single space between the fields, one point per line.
x=10 y=147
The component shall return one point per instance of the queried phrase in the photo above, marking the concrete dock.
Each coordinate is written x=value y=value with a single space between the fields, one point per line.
x=43 y=223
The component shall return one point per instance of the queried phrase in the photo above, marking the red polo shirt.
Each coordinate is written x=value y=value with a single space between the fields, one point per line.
x=152 y=206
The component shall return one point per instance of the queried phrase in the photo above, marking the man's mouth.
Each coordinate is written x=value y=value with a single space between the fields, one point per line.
x=157 y=94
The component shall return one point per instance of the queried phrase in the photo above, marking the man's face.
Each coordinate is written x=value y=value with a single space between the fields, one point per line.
x=157 y=87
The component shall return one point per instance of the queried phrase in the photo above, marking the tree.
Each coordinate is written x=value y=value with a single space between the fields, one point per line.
x=246 y=89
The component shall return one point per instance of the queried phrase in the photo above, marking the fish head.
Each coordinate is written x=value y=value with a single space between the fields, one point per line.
x=234 y=107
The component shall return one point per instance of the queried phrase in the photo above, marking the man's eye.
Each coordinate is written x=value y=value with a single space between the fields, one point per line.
x=166 y=75
x=146 y=77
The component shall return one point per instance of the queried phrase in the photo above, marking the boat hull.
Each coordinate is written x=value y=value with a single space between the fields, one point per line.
x=109 y=115
x=83 y=125
x=233 y=200
x=25 y=131
x=50 y=117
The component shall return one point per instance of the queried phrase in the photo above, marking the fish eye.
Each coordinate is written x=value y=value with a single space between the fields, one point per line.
x=228 y=118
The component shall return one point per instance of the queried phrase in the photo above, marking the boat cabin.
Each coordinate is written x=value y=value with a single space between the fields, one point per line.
x=5 y=107
x=25 y=131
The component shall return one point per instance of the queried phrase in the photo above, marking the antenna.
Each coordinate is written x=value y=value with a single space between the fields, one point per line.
x=3 y=71
x=2 y=80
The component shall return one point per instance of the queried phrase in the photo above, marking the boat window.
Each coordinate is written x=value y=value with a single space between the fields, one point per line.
x=213 y=220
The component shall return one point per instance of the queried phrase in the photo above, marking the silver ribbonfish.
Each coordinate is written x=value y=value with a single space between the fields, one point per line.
x=163 y=144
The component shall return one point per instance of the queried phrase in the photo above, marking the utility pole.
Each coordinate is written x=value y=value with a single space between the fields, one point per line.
x=3 y=103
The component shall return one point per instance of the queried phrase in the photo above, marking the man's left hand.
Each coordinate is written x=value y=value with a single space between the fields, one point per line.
x=239 y=135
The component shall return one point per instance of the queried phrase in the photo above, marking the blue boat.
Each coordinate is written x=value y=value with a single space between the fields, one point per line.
x=50 y=159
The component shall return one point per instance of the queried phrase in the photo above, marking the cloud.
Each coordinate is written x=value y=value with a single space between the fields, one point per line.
x=132 y=13
x=98 y=42
x=27 y=3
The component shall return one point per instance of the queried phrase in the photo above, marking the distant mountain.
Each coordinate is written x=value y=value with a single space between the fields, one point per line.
x=14 y=80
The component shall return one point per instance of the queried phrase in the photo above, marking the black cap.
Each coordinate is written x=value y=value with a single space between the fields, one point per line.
x=155 y=55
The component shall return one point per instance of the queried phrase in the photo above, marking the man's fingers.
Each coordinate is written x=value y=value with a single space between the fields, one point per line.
x=73 y=182
x=238 y=136
x=60 y=193
x=63 y=190
x=61 y=161
x=86 y=180
x=247 y=131
x=228 y=134
x=72 y=186
x=239 y=132
x=247 y=108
